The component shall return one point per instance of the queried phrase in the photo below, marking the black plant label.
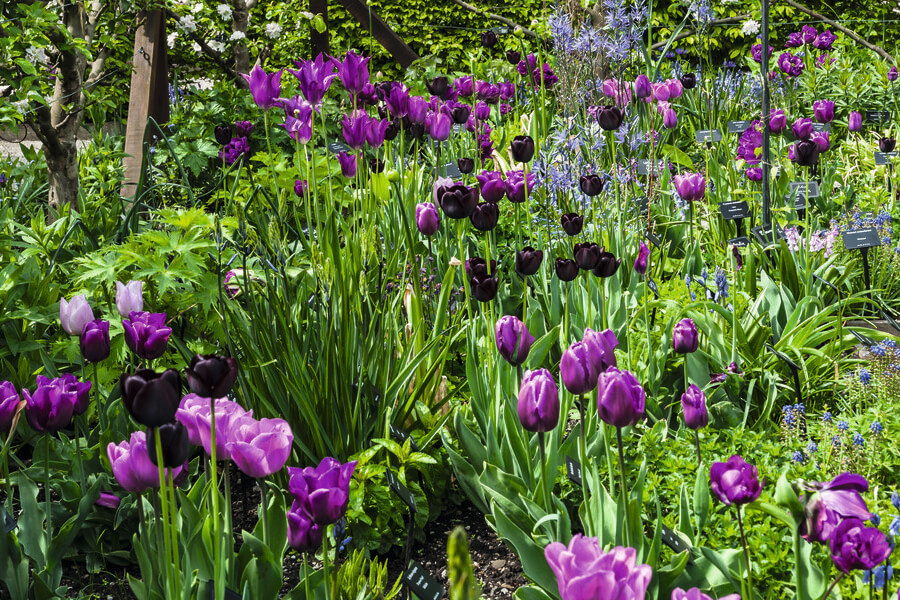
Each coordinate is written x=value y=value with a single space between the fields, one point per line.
x=401 y=491
x=421 y=583
x=861 y=238
x=573 y=470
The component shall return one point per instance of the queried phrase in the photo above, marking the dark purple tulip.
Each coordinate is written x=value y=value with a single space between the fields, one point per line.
x=493 y=188
x=484 y=288
x=513 y=339
x=777 y=121
x=222 y=134
x=690 y=186
x=515 y=185
x=824 y=41
x=417 y=109
x=609 y=117
x=522 y=148
x=94 y=341
x=439 y=86
x=578 y=368
x=887 y=144
x=457 y=201
x=738 y=259
x=391 y=130
x=353 y=72
x=488 y=92
x=854 y=121
x=823 y=110
x=587 y=255
x=466 y=165
x=51 y=406
x=685 y=337
x=642 y=260
x=212 y=376
x=460 y=113
x=538 y=402
x=146 y=334
x=802 y=128
x=303 y=534
x=485 y=216
x=855 y=546
x=642 y=87
x=428 y=218
x=833 y=502
x=151 y=398
x=397 y=101
x=620 y=398
x=375 y=132
x=348 y=164
x=806 y=153
x=602 y=346
x=734 y=482
x=264 y=88
x=513 y=56
x=566 y=269
x=71 y=385
x=591 y=184
x=689 y=81
x=176 y=447
x=315 y=77
x=607 y=265
x=243 y=128
x=488 y=39
x=572 y=223
x=528 y=261
x=477 y=267
x=301 y=186
x=693 y=404
x=324 y=491
x=892 y=74
x=9 y=403
x=353 y=128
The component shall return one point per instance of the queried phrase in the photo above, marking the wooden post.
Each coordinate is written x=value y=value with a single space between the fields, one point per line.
x=392 y=42
x=149 y=92
x=319 y=41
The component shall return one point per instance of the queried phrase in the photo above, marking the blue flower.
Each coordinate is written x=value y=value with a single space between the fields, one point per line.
x=878 y=350
x=800 y=408
x=865 y=377
x=812 y=447
x=889 y=344
x=835 y=441
x=894 y=529
x=858 y=440
x=895 y=500
x=843 y=425
x=797 y=457
x=826 y=417
x=875 y=520
x=876 y=427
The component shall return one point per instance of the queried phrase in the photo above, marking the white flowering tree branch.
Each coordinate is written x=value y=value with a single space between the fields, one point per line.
x=213 y=55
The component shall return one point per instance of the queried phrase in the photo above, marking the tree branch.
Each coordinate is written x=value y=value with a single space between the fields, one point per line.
x=500 y=18
x=689 y=32
x=850 y=34
x=213 y=55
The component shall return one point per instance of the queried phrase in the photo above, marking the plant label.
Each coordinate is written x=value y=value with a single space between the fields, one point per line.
x=421 y=583
x=641 y=204
x=643 y=166
x=783 y=357
x=709 y=135
x=890 y=320
x=731 y=211
x=822 y=127
x=653 y=238
x=738 y=126
x=451 y=170
x=863 y=339
x=401 y=491
x=653 y=287
x=766 y=236
x=9 y=524
x=861 y=238
x=827 y=284
x=401 y=436
x=883 y=158
x=573 y=470
x=805 y=189
x=673 y=540
x=741 y=241
x=878 y=116
x=500 y=30
x=339 y=147
x=456 y=127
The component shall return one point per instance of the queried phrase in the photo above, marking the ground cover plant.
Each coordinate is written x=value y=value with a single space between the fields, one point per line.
x=549 y=281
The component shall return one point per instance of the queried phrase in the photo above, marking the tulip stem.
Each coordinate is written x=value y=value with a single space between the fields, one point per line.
x=263 y=509
x=833 y=584
x=583 y=458
x=162 y=517
x=48 y=533
x=623 y=494
x=697 y=446
x=101 y=409
x=746 y=595
x=306 y=576
x=214 y=490
x=545 y=483
x=174 y=516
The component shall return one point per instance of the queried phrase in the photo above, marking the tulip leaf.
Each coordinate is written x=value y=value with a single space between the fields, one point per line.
x=531 y=554
x=31 y=528
x=531 y=592
x=701 y=500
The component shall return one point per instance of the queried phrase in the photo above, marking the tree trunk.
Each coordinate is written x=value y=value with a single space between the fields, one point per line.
x=62 y=167
x=239 y=23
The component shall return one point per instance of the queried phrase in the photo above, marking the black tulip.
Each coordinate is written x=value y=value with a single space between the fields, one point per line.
x=383 y=88
x=609 y=117
x=513 y=57
x=522 y=148
x=528 y=261
x=587 y=255
x=566 y=269
x=484 y=288
x=466 y=165
x=223 y=134
x=392 y=130
x=887 y=144
x=477 y=267
x=173 y=438
x=439 y=86
x=376 y=166
x=460 y=113
x=607 y=265
x=591 y=184
x=457 y=201
x=806 y=153
x=417 y=130
x=151 y=398
x=688 y=81
x=488 y=39
x=485 y=216
x=212 y=376
x=572 y=223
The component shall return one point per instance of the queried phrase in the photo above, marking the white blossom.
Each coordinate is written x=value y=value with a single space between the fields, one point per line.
x=217 y=46
x=187 y=24
x=237 y=35
x=750 y=27
x=170 y=39
x=273 y=31
x=196 y=47
x=36 y=54
x=224 y=12
x=197 y=8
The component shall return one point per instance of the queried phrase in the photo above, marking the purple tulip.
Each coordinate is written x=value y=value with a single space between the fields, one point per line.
x=107 y=500
x=129 y=297
x=578 y=368
x=675 y=88
x=690 y=186
x=397 y=101
x=855 y=546
x=131 y=465
x=301 y=187
x=693 y=404
x=808 y=33
x=94 y=341
x=734 y=482
x=438 y=125
x=417 y=109
x=146 y=334
x=193 y=413
x=75 y=314
x=513 y=339
x=428 y=218
x=538 y=403
x=515 y=185
x=795 y=40
x=212 y=376
x=9 y=403
x=824 y=41
x=348 y=164
x=754 y=173
x=493 y=188
x=685 y=337
x=353 y=128
x=572 y=223
x=52 y=405
x=620 y=398
x=71 y=385
x=265 y=88
x=151 y=398
x=315 y=77
x=323 y=490
x=464 y=86
x=642 y=87
x=823 y=111
x=854 y=121
x=892 y=74
x=602 y=346
x=670 y=118
x=259 y=448
x=790 y=64
x=643 y=257
x=802 y=128
x=303 y=534
x=777 y=121
x=584 y=572
x=821 y=140
x=833 y=502
x=353 y=72
x=696 y=594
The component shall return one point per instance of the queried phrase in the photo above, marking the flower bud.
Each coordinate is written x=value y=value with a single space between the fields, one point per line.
x=538 y=401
